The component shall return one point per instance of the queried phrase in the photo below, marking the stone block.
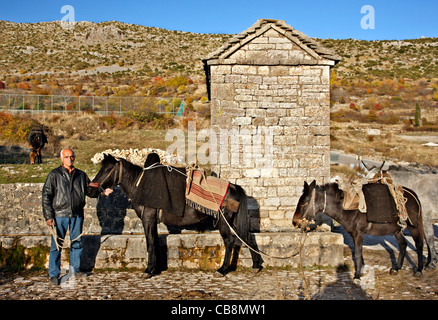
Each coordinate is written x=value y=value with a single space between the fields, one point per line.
x=244 y=70
x=263 y=70
x=283 y=46
x=271 y=121
x=285 y=80
x=256 y=113
x=270 y=80
x=255 y=79
x=309 y=80
x=251 y=173
x=220 y=69
x=261 y=46
x=273 y=202
x=241 y=121
x=276 y=215
x=233 y=78
x=279 y=71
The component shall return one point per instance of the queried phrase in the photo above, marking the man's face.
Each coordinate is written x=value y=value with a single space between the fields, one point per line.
x=68 y=158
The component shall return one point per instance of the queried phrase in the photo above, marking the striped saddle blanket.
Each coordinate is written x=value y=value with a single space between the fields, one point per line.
x=206 y=194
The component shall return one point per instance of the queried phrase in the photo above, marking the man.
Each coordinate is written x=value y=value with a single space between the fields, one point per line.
x=63 y=207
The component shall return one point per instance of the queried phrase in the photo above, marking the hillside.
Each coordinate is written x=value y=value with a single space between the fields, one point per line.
x=377 y=60
x=129 y=54
x=47 y=47
x=377 y=85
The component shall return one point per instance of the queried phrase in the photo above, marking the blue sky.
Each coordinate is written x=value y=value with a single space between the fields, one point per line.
x=336 y=19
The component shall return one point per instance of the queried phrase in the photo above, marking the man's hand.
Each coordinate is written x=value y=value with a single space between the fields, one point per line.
x=50 y=222
x=107 y=192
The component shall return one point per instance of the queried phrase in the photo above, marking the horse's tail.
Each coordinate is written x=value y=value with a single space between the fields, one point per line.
x=420 y=210
x=242 y=219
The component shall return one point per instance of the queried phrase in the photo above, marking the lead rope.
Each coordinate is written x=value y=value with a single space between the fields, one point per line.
x=304 y=235
x=56 y=238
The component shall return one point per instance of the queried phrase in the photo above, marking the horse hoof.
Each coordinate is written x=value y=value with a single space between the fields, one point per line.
x=430 y=267
x=393 y=271
x=418 y=274
x=147 y=275
x=219 y=274
x=257 y=269
x=356 y=281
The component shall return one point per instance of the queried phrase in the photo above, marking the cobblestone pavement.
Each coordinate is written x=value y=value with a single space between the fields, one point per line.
x=269 y=284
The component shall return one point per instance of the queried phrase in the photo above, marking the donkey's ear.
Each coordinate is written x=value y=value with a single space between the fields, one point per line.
x=109 y=158
x=306 y=186
x=313 y=184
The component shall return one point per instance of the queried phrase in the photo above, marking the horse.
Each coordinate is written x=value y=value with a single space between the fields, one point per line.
x=424 y=182
x=125 y=174
x=328 y=199
x=37 y=140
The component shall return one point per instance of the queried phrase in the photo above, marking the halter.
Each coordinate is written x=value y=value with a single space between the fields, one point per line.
x=312 y=201
x=325 y=201
x=99 y=185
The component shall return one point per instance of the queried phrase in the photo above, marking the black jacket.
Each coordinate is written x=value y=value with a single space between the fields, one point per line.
x=64 y=193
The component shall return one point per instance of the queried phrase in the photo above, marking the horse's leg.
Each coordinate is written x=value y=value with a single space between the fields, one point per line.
x=236 y=250
x=358 y=245
x=225 y=232
x=149 y=220
x=32 y=156
x=257 y=260
x=418 y=238
x=401 y=240
x=430 y=239
x=39 y=157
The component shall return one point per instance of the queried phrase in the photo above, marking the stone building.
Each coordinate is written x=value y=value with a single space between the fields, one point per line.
x=269 y=88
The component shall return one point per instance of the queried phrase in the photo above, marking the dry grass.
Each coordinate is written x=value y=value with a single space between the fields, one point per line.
x=87 y=134
x=389 y=145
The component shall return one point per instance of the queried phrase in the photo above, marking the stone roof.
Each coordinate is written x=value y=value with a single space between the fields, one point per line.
x=312 y=47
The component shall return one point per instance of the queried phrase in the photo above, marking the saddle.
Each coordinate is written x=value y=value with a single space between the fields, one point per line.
x=207 y=193
x=389 y=201
x=351 y=200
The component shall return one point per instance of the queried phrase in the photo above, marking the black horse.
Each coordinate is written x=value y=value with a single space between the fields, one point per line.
x=124 y=173
x=37 y=140
x=329 y=198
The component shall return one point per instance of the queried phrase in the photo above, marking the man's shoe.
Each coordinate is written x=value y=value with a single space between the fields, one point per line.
x=54 y=281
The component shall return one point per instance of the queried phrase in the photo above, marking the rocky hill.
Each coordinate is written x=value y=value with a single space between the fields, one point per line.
x=87 y=48
x=389 y=86
x=49 y=47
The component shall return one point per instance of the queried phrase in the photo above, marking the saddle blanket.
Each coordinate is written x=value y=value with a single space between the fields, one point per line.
x=381 y=206
x=206 y=194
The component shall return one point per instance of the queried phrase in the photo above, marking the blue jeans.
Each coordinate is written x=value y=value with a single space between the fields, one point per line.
x=62 y=225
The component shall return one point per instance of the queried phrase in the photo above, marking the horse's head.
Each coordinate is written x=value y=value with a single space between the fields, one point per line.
x=307 y=207
x=108 y=174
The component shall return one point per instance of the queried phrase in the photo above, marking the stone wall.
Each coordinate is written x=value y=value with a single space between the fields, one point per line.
x=114 y=237
x=22 y=213
x=203 y=251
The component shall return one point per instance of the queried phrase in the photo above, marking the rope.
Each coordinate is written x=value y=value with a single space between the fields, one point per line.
x=244 y=242
x=56 y=238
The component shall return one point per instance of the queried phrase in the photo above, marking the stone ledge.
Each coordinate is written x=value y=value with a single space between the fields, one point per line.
x=193 y=251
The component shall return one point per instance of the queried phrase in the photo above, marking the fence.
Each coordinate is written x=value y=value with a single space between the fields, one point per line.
x=98 y=104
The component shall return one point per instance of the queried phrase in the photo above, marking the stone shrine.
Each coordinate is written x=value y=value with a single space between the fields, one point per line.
x=270 y=87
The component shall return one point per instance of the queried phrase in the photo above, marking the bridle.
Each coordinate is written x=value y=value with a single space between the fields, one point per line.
x=312 y=203
x=119 y=178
